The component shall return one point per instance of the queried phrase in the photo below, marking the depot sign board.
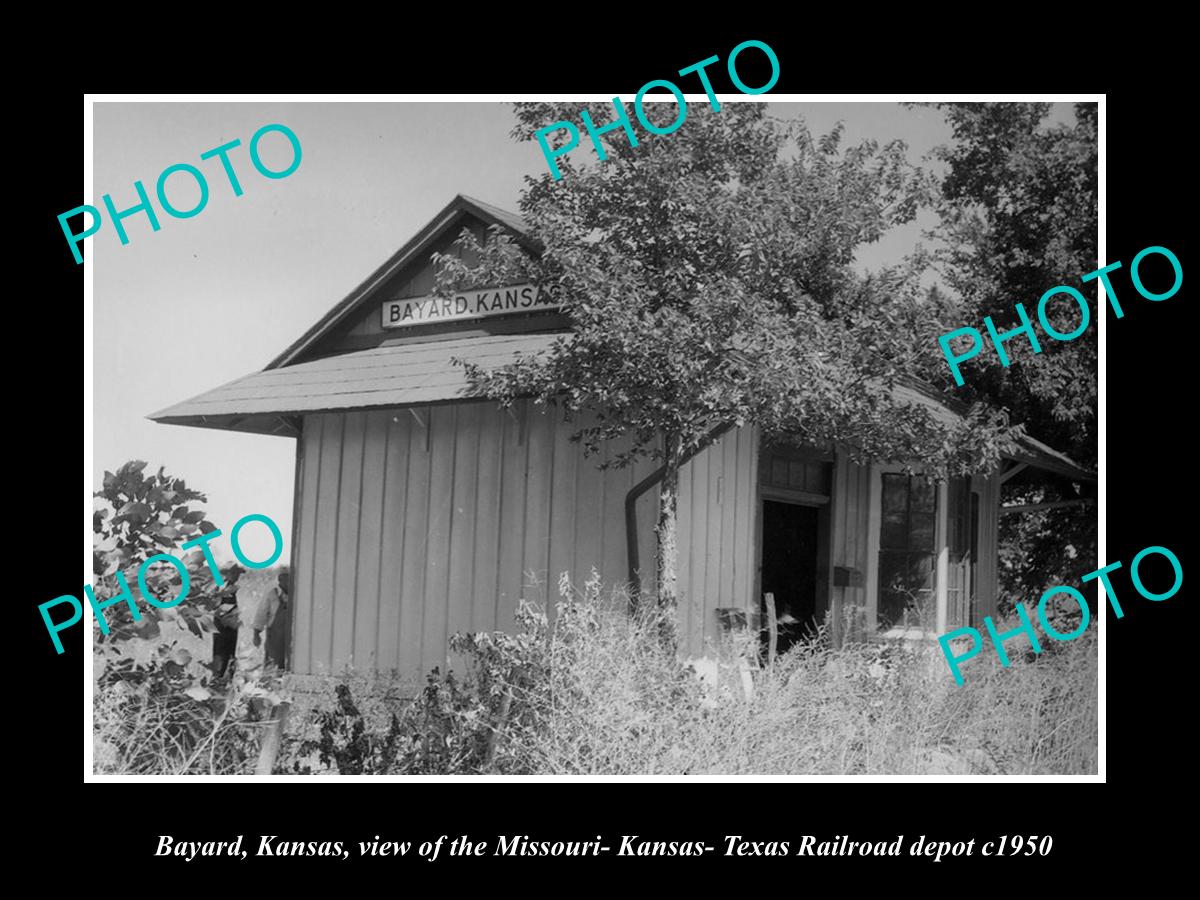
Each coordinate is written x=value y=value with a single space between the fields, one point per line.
x=480 y=304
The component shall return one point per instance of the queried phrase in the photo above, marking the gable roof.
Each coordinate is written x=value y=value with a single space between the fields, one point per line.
x=420 y=243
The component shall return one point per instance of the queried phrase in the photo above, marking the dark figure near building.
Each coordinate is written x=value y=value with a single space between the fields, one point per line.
x=226 y=619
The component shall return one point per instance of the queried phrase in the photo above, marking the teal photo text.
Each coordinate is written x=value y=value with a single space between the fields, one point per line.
x=971 y=342
x=971 y=641
x=565 y=145
x=125 y=595
x=184 y=172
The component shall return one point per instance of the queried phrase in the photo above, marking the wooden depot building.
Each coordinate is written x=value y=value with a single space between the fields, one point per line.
x=421 y=511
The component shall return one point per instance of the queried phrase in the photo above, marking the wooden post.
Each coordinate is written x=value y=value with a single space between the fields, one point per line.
x=272 y=738
x=498 y=730
x=772 y=629
x=941 y=584
x=747 y=678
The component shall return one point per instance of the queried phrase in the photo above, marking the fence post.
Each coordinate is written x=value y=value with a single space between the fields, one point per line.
x=272 y=738
x=772 y=629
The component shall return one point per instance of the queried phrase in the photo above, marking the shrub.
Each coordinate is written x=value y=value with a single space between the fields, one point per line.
x=442 y=731
x=156 y=718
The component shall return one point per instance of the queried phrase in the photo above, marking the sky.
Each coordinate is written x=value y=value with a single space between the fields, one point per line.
x=211 y=298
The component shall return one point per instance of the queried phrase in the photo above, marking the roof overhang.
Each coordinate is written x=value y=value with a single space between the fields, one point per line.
x=1029 y=450
x=404 y=375
x=268 y=402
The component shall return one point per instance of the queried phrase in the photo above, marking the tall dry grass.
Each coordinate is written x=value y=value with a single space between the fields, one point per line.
x=608 y=697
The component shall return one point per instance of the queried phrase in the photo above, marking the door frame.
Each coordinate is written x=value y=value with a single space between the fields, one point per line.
x=823 y=505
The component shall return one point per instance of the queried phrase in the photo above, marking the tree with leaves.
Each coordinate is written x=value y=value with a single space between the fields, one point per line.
x=709 y=279
x=136 y=517
x=1018 y=209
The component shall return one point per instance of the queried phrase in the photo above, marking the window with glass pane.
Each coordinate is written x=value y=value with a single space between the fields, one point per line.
x=797 y=470
x=906 y=549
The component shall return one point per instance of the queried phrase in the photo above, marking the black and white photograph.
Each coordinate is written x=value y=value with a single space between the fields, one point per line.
x=717 y=437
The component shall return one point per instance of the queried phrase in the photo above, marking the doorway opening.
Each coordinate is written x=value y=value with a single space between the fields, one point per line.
x=791 y=541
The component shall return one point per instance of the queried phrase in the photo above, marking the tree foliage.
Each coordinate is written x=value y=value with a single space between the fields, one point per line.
x=1018 y=208
x=135 y=517
x=709 y=276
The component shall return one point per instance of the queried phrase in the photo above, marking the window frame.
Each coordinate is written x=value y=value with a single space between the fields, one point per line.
x=940 y=554
x=908 y=549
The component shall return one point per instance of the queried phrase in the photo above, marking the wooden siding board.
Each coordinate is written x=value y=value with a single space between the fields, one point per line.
x=539 y=482
x=489 y=474
x=747 y=492
x=729 y=500
x=563 y=497
x=374 y=485
x=442 y=422
x=415 y=545
x=392 y=560
x=510 y=576
x=646 y=513
x=688 y=575
x=703 y=576
x=459 y=600
x=616 y=486
x=989 y=538
x=306 y=545
x=588 y=524
x=345 y=594
x=860 y=524
x=325 y=544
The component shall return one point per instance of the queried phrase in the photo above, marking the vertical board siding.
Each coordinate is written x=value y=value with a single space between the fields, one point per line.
x=442 y=425
x=370 y=543
x=415 y=540
x=305 y=512
x=539 y=480
x=391 y=574
x=418 y=524
x=685 y=578
x=987 y=601
x=327 y=499
x=510 y=569
x=348 y=545
x=563 y=497
x=464 y=527
x=488 y=493
x=717 y=557
x=850 y=518
x=616 y=483
x=587 y=550
x=695 y=506
x=728 y=567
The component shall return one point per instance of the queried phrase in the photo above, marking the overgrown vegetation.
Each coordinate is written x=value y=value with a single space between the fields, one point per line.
x=155 y=717
x=592 y=691
x=156 y=708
